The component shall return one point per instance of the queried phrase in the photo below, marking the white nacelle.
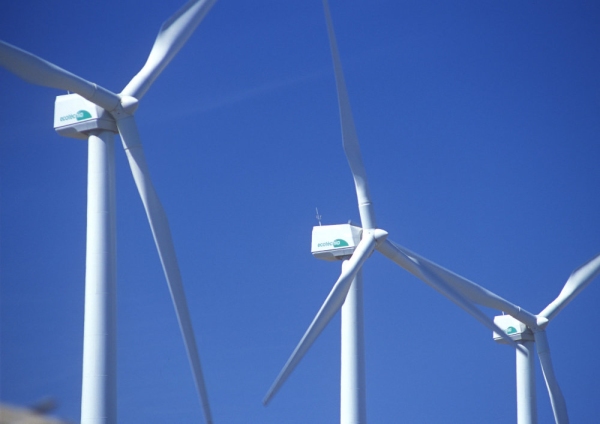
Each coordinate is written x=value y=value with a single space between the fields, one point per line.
x=74 y=116
x=514 y=328
x=332 y=242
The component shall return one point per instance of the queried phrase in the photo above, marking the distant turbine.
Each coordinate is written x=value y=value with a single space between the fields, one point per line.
x=354 y=245
x=97 y=119
x=526 y=336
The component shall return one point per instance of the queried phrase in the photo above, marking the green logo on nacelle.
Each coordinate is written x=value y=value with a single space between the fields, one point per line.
x=83 y=114
x=511 y=330
x=336 y=243
x=340 y=243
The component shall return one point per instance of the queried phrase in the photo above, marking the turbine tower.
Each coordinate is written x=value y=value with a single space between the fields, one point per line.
x=96 y=114
x=354 y=245
x=528 y=336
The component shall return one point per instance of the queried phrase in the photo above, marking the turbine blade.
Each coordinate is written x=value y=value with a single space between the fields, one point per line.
x=38 y=71
x=172 y=36
x=579 y=280
x=349 y=136
x=446 y=290
x=330 y=307
x=415 y=264
x=559 y=406
x=164 y=243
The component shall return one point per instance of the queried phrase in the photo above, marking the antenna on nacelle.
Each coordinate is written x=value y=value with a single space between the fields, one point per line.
x=318 y=216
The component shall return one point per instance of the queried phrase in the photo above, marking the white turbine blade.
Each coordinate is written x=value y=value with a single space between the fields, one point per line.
x=330 y=307
x=38 y=71
x=164 y=243
x=435 y=282
x=474 y=292
x=559 y=406
x=350 y=139
x=172 y=36
x=579 y=280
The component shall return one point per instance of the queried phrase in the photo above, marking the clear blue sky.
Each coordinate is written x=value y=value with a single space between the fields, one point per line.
x=479 y=123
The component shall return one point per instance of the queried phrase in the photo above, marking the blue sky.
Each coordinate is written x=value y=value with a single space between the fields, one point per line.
x=479 y=124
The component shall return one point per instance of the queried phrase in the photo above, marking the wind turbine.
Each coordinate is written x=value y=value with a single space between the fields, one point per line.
x=354 y=245
x=95 y=113
x=526 y=337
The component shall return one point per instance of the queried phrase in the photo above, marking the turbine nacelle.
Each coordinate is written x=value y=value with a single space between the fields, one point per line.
x=338 y=242
x=76 y=117
x=513 y=328
x=335 y=242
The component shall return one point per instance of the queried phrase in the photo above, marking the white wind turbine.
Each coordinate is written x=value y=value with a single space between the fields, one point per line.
x=528 y=334
x=95 y=113
x=346 y=294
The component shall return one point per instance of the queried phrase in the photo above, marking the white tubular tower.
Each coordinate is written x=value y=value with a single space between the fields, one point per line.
x=353 y=408
x=99 y=385
x=526 y=394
